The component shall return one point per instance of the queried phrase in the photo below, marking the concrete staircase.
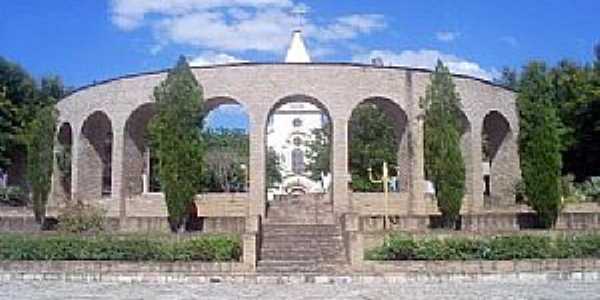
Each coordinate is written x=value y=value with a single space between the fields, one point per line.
x=301 y=209
x=299 y=236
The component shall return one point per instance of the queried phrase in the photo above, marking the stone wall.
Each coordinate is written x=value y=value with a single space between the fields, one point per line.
x=338 y=88
x=367 y=273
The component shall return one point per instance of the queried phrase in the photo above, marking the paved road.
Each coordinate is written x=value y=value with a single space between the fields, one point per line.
x=446 y=290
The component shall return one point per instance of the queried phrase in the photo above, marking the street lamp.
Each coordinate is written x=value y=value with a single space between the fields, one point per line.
x=385 y=181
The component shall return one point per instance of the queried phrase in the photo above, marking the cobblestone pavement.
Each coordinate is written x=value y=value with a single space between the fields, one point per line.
x=445 y=290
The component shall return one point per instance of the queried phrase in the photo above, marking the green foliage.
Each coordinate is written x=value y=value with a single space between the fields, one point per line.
x=176 y=140
x=589 y=189
x=40 y=136
x=226 y=151
x=121 y=248
x=508 y=78
x=273 y=168
x=319 y=152
x=372 y=141
x=539 y=144
x=81 y=218
x=20 y=100
x=13 y=196
x=444 y=164
x=401 y=247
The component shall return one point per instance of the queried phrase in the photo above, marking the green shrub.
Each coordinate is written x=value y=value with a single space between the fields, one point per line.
x=590 y=189
x=121 y=248
x=398 y=247
x=79 y=218
x=13 y=196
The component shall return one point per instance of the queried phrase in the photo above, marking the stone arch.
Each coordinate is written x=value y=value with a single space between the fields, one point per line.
x=136 y=151
x=94 y=159
x=497 y=142
x=325 y=119
x=234 y=175
x=63 y=153
x=398 y=118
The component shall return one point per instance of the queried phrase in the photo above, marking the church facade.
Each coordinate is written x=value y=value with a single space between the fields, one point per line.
x=104 y=126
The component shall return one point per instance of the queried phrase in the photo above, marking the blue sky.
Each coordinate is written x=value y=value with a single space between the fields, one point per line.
x=86 y=41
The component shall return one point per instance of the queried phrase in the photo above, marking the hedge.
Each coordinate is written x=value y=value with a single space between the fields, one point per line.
x=402 y=247
x=121 y=248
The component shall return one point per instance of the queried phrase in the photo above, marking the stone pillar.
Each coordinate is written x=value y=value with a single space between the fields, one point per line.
x=75 y=163
x=341 y=176
x=249 y=250
x=257 y=165
x=418 y=205
x=476 y=178
x=118 y=188
x=353 y=240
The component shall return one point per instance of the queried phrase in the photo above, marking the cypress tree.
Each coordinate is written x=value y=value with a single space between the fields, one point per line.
x=444 y=165
x=175 y=136
x=539 y=143
x=39 y=137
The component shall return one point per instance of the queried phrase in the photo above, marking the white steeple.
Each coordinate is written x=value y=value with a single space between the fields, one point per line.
x=297 y=52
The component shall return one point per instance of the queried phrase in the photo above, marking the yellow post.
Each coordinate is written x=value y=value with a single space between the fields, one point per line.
x=385 y=181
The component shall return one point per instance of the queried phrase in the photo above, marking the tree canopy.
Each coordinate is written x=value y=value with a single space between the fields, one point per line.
x=539 y=143
x=40 y=137
x=444 y=165
x=177 y=141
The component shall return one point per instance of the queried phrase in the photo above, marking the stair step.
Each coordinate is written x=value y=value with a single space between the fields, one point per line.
x=304 y=266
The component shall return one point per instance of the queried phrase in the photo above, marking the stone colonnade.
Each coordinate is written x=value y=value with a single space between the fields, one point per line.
x=107 y=122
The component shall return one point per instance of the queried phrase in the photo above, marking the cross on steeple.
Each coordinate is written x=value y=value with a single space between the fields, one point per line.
x=299 y=12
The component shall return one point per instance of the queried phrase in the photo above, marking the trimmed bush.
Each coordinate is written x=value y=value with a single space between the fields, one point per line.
x=121 y=248
x=80 y=218
x=402 y=247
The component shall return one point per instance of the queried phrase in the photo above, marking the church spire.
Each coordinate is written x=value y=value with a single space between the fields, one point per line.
x=297 y=52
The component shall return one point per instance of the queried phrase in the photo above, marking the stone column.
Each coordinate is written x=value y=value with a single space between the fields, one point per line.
x=341 y=176
x=476 y=177
x=75 y=163
x=417 y=206
x=118 y=188
x=257 y=164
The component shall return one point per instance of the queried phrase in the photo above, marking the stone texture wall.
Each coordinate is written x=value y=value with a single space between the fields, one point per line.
x=338 y=88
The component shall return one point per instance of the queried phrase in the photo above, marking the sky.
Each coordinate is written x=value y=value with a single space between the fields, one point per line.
x=87 y=41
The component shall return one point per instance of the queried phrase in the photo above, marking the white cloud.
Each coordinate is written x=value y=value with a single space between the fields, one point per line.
x=447 y=36
x=234 y=25
x=348 y=27
x=212 y=58
x=130 y=14
x=427 y=59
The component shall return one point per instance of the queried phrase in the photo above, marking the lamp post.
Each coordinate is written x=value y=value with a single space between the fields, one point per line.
x=385 y=181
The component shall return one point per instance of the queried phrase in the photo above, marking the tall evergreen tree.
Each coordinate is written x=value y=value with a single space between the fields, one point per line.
x=444 y=165
x=176 y=140
x=539 y=143
x=40 y=136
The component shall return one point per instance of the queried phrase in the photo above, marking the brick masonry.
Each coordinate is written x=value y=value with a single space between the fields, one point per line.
x=372 y=272
x=126 y=103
